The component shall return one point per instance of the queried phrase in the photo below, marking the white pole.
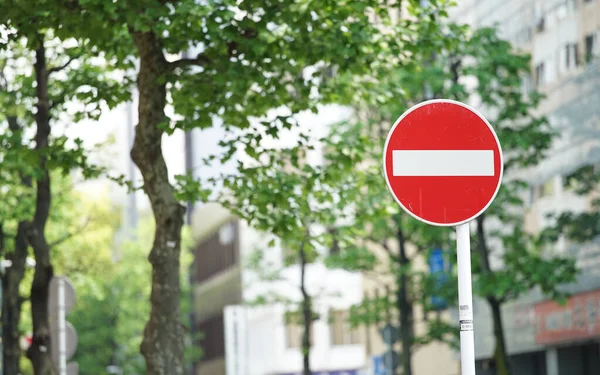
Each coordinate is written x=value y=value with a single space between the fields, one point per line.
x=465 y=300
x=62 y=347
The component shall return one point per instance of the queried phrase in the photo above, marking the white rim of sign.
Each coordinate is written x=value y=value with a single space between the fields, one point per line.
x=387 y=179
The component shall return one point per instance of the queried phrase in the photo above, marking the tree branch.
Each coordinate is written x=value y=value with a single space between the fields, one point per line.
x=203 y=60
x=70 y=234
x=2 y=239
x=199 y=60
x=56 y=103
x=61 y=67
x=389 y=251
x=455 y=65
x=376 y=277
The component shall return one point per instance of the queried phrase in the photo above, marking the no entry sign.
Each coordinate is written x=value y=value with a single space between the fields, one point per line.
x=443 y=162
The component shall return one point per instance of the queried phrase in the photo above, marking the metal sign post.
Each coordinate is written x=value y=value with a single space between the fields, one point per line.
x=62 y=347
x=465 y=300
x=62 y=333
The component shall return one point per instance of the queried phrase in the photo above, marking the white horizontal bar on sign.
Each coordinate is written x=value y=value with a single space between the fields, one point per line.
x=443 y=162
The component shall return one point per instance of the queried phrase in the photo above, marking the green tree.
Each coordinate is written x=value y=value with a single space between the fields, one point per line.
x=18 y=199
x=80 y=232
x=578 y=227
x=496 y=71
x=251 y=58
x=38 y=83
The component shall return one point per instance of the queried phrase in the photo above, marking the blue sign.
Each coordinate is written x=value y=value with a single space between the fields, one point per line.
x=329 y=372
x=378 y=366
x=437 y=268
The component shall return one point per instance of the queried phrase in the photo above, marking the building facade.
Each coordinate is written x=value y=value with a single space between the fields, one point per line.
x=238 y=339
x=544 y=338
x=216 y=282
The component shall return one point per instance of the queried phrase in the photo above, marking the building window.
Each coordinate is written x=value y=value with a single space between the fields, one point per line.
x=572 y=55
x=212 y=339
x=525 y=35
x=294 y=333
x=527 y=84
x=216 y=253
x=591 y=46
x=341 y=331
x=568 y=57
x=226 y=234
x=540 y=25
x=544 y=190
x=294 y=329
x=540 y=75
x=532 y=193
x=547 y=189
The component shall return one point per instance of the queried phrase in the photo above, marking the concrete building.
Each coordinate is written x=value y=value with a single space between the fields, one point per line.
x=544 y=338
x=243 y=340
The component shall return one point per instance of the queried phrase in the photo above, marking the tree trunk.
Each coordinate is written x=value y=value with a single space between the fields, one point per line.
x=114 y=343
x=404 y=305
x=11 y=303
x=10 y=326
x=306 y=314
x=39 y=352
x=163 y=343
x=500 y=355
x=11 y=281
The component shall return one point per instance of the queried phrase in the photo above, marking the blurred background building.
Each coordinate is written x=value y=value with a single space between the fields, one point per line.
x=562 y=37
x=246 y=340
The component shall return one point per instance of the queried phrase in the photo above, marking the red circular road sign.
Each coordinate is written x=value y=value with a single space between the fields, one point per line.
x=442 y=162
